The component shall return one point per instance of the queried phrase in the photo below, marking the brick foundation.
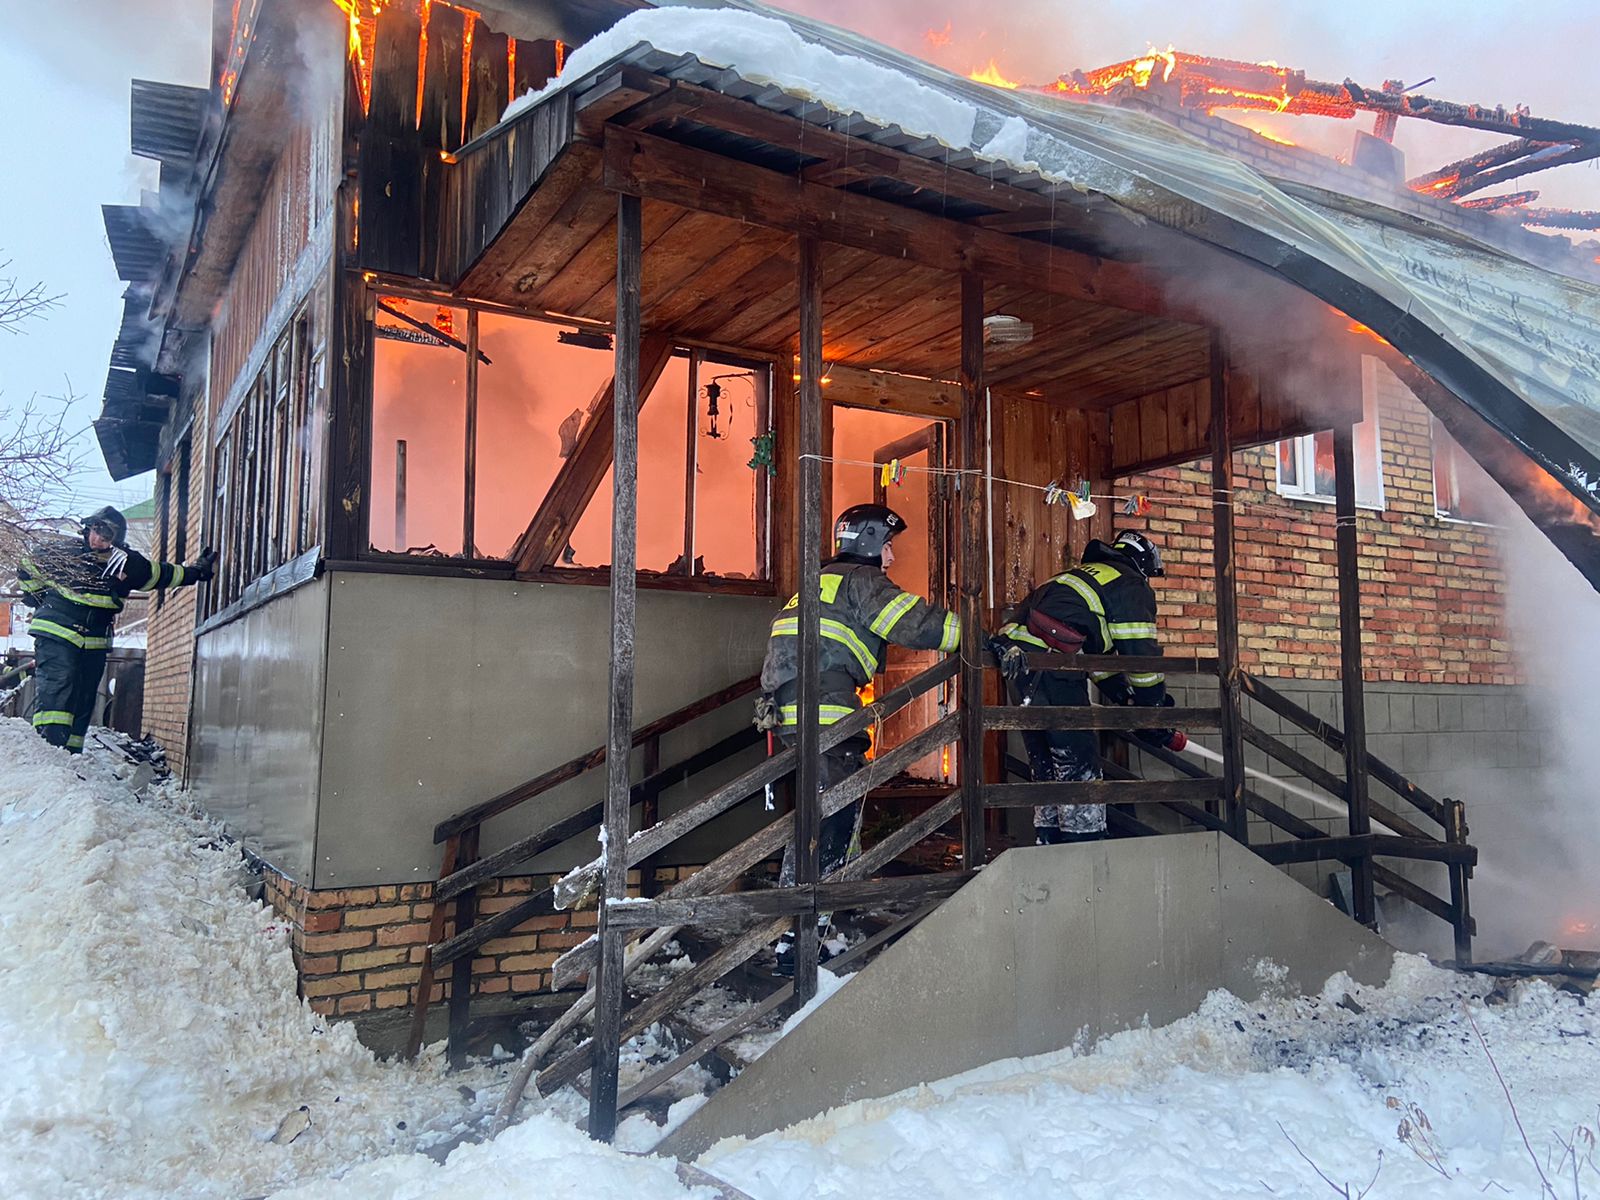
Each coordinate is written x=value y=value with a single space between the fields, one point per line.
x=360 y=950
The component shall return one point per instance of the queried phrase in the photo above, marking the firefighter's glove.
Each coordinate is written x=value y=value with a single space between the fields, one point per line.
x=766 y=718
x=202 y=568
x=1012 y=658
x=1166 y=739
x=1115 y=690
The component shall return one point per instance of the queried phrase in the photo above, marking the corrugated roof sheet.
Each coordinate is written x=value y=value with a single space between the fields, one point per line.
x=165 y=120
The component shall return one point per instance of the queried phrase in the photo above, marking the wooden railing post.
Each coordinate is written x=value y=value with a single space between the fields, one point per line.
x=1350 y=673
x=424 y=996
x=1460 y=906
x=466 y=911
x=808 y=765
x=619 y=740
x=1234 y=810
x=969 y=574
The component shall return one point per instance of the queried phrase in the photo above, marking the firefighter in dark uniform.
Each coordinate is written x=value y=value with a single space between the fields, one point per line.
x=76 y=586
x=1104 y=605
x=861 y=612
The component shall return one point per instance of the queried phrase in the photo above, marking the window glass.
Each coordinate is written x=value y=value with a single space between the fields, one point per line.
x=417 y=499
x=534 y=396
x=663 y=442
x=1462 y=490
x=1305 y=464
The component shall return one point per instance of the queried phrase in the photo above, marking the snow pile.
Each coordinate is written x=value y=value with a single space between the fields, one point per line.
x=542 y=1156
x=152 y=1037
x=770 y=51
x=1215 y=1105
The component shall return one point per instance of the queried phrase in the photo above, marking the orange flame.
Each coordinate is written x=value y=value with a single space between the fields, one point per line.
x=937 y=38
x=1356 y=327
x=422 y=56
x=511 y=66
x=992 y=76
x=867 y=693
x=467 y=35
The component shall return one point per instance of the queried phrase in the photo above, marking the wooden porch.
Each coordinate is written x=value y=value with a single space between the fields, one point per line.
x=671 y=214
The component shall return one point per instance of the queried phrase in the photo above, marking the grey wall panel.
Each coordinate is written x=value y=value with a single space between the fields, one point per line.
x=1047 y=943
x=255 y=739
x=443 y=692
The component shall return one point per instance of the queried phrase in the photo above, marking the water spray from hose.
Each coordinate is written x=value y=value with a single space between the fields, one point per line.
x=1293 y=789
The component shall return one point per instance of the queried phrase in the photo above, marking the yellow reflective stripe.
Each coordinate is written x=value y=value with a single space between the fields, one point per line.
x=827 y=714
x=830 y=587
x=177 y=575
x=96 y=643
x=37 y=626
x=1147 y=680
x=951 y=637
x=75 y=741
x=846 y=636
x=1124 y=631
x=155 y=576
x=51 y=718
x=1018 y=634
x=1097 y=676
x=33 y=585
x=892 y=612
x=834 y=631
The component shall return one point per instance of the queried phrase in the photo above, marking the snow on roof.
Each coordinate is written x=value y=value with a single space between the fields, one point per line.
x=1518 y=344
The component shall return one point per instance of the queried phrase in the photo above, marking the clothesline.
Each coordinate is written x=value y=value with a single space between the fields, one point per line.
x=1048 y=489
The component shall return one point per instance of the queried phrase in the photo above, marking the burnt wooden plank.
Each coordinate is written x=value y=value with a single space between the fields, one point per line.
x=582 y=472
x=466 y=908
x=969 y=570
x=424 y=993
x=1098 y=716
x=1345 y=849
x=557 y=198
x=1220 y=385
x=1351 y=680
x=1101 y=791
x=735 y=910
x=1424 y=849
x=488 y=92
x=712 y=280
x=624 y=585
x=574 y=281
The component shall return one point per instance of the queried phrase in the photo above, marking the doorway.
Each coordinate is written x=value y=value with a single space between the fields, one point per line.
x=864 y=440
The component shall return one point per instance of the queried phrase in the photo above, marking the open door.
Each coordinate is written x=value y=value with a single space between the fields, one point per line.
x=922 y=564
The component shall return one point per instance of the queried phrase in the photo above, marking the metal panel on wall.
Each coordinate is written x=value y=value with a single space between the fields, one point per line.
x=444 y=692
x=256 y=737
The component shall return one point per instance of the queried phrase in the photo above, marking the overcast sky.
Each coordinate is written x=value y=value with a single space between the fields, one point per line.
x=65 y=66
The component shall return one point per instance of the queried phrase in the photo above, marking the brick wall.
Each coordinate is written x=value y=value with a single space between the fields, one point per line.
x=169 y=654
x=1432 y=590
x=360 y=950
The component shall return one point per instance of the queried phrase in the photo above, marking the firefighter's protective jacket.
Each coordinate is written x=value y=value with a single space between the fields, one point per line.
x=862 y=611
x=76 y=592
x=1108 y=600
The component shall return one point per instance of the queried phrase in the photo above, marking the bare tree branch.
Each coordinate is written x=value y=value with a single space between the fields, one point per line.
x=21 y=302
x=37 y=461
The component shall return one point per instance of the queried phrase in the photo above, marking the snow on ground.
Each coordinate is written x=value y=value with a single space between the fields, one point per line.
x=149 y=1025
x=153 y=1042
x=1207 y=1107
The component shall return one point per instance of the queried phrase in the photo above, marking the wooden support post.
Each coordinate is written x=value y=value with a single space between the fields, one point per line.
x=808 y=766
x=1355 y=715
x=619 y=740
x=466 y=911
x=469 y=500
x=969 y=572
x=424 y=999
x=1228 y=683
x=1455 y=832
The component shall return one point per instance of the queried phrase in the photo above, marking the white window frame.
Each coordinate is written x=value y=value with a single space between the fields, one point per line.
x=1304 y=450
x=1451 y=447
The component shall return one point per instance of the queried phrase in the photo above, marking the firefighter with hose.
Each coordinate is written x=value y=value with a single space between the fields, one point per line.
x=1104 y=605
x=862 y=611
x=76 y=586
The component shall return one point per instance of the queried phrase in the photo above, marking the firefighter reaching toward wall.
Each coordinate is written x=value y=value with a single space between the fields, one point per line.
x=861 y=612
x=76 y=586
x=1104 y=605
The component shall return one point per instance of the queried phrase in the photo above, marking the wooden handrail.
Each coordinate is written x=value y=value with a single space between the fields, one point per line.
x=1177 y=664
x=1333 y=738
x=1097 y=716
x=537 y=786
